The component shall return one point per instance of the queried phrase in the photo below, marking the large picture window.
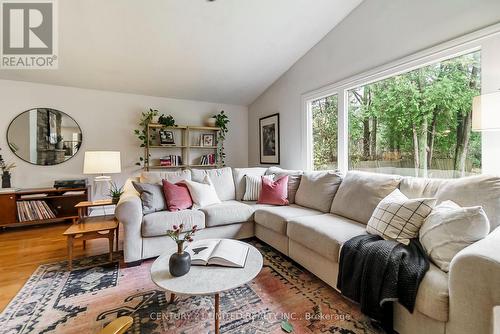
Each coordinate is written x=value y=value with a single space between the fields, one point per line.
x=417 y=123
x=324 y=131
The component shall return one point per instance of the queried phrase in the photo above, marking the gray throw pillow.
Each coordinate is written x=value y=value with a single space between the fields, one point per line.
x=317 y=190
x=152 y=197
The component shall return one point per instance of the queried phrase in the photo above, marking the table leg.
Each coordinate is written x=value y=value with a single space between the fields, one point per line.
x=84 y=244
x=111 y=238
x=70 y=252
x=217 y=314
x=172 y=298
x=117 y=229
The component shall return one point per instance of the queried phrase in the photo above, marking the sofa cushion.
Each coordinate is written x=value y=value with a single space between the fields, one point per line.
x=239 y=178
x=449 y=229
x=433 y=294
x=173 y=177
x=177 y=196
x=317 y=189
x=324 y=234
x=227 y=212
x=360 y=193
x=253 y=186
x=152 y=197
x=203 y=194
x=294 y=177
x=399 y=218
x=222 y=178
x=274 y=192
x=157 y=224
x=275 y=218
x=480 y=190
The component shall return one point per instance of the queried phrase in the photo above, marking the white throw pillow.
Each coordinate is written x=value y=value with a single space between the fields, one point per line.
x=449 y=229
x=253 y=186
x=399 y=218
x=202 y=194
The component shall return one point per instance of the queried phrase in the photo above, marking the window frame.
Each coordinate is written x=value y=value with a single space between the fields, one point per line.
x=455 y=48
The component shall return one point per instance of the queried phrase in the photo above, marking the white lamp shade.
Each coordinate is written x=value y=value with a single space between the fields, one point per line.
x=486 y=112
x=102 y=162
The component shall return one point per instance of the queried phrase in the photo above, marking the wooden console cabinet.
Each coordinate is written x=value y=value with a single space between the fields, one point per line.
x=62 y=205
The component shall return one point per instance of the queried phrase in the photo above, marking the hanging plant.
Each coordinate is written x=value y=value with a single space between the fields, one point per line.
x=167 y=120
x=221 y=121
x=142 y=133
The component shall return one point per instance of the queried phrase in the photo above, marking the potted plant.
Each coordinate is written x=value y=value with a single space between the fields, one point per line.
x=141 y=133
x=6 y=168
x=115 y=192
x=167 y=120
x=221 y=121
x=180 y=262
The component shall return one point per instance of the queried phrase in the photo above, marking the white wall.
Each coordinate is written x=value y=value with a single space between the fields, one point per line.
x=107 y=121
x=375 y=33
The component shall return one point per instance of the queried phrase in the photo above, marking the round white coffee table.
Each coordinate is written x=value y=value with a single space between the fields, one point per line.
x=206 y=280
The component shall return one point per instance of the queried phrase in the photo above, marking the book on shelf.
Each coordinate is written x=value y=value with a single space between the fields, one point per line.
x=34 y=210
x=171 y=160
x=224 y=252
x=207 y=159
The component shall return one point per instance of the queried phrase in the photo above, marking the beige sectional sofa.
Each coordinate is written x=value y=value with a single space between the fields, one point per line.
x=327 y=210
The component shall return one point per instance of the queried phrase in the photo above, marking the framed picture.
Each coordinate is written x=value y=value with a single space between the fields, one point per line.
x=269 y=138
x=208 y=139
x=167 y=137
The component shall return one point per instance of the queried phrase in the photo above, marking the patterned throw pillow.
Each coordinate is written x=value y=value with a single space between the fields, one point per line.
x=253 y=186
x=399 y=218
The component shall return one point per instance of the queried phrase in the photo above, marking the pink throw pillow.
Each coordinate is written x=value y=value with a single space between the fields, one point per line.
x=177 y=196
x=274 y=192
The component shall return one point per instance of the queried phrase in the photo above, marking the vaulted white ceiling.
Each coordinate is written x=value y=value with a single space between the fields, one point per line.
x=227 y=51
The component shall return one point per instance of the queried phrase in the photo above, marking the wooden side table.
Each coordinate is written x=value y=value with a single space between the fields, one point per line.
x=92 y=228
x=88 y=228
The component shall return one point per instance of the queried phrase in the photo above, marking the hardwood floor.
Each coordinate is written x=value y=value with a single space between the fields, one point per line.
x=22 y=250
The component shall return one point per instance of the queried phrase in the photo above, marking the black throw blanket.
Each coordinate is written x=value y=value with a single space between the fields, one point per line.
x=374 y=272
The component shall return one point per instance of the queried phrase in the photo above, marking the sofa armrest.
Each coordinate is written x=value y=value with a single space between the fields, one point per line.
x=475 y=286
x=129 y=213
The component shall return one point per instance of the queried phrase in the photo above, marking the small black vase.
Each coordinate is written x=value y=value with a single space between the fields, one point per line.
x=179 y=263
x=6 y=180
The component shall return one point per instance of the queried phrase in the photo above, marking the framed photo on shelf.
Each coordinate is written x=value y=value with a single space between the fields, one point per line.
x=167 y=137
x=208 y=139
x=269 y=139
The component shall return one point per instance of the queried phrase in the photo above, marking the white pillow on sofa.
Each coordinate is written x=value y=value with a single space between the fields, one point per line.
x=399 y=218
x=449 y=229
x=202 y=194
x=253 y=185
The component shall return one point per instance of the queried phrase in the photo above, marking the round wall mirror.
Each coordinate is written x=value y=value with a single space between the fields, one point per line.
x=44 y=136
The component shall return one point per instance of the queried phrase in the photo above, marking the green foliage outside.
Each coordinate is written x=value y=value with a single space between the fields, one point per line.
x=418 y=121
x=324 y=118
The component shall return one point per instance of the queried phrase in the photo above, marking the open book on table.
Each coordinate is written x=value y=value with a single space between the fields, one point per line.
x=225 y=252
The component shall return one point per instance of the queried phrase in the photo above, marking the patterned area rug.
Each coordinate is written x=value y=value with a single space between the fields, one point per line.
x=95 y=292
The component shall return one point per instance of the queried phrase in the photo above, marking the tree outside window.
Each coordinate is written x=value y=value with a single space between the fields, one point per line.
x=417 y=123
x=325 y=127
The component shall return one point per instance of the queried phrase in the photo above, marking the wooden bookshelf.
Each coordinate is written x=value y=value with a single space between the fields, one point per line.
x=187 y=147
x=63 y=206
